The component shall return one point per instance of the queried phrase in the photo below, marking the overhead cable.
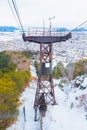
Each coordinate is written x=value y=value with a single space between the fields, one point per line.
x=79 y=25
x=17 y=13
x=13 y=12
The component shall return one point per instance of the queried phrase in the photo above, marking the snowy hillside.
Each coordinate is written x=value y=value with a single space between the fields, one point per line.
x=68 y=114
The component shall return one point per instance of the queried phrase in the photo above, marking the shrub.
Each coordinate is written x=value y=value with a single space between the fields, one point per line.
x=4 y=60
x=37 y=65
x=58 y=71
x=80 y=68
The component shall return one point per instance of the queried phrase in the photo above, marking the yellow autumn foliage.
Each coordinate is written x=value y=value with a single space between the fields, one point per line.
x=8 y=94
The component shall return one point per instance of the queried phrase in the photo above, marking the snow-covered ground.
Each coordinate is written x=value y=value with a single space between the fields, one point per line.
x=68 y=114
x=60 y=116
x=63 y=116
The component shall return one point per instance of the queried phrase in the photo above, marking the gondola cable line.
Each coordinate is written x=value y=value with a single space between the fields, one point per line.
x=17 y=13
x=78 y=26
x=18 y=16
x=13 y=12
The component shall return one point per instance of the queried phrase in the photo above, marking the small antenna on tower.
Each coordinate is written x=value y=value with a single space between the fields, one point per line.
x=43 y=27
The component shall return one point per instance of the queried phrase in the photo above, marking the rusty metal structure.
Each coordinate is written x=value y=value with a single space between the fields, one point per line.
x=45 y=88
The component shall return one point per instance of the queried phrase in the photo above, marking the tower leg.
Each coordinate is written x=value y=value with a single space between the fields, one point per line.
x=35 y=119
x=45 y=88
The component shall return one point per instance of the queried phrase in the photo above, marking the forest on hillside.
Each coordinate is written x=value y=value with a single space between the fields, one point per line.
x=13 y=78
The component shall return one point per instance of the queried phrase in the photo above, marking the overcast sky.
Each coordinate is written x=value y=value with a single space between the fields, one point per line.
x=68 y=13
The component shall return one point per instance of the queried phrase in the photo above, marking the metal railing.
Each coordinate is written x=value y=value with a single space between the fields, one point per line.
x=45 y=32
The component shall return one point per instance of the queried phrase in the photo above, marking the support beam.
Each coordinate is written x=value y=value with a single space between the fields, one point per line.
x=45 y=87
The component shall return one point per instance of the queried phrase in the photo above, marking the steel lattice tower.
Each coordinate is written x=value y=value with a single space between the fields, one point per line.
x=45 y=88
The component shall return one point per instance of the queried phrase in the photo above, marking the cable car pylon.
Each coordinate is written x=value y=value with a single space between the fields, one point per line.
x=45 y=88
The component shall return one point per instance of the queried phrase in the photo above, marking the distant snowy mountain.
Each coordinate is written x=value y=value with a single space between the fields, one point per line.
x=80 y=29
x=8 y=28
x=61 y=29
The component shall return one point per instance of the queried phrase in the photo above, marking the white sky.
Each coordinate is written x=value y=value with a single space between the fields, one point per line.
x=68 y=13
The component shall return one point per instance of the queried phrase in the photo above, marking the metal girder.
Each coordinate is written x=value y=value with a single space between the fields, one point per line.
x=45 y=85
x=46 y=39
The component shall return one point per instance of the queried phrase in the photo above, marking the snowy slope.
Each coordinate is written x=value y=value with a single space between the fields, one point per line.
x=60 y=116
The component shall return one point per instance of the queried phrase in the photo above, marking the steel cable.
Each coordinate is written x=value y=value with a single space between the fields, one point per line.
x=17 y=13
x=13 y=12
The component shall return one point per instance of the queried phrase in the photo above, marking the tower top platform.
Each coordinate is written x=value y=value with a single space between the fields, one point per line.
x=46 y=39
x=46 y=36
